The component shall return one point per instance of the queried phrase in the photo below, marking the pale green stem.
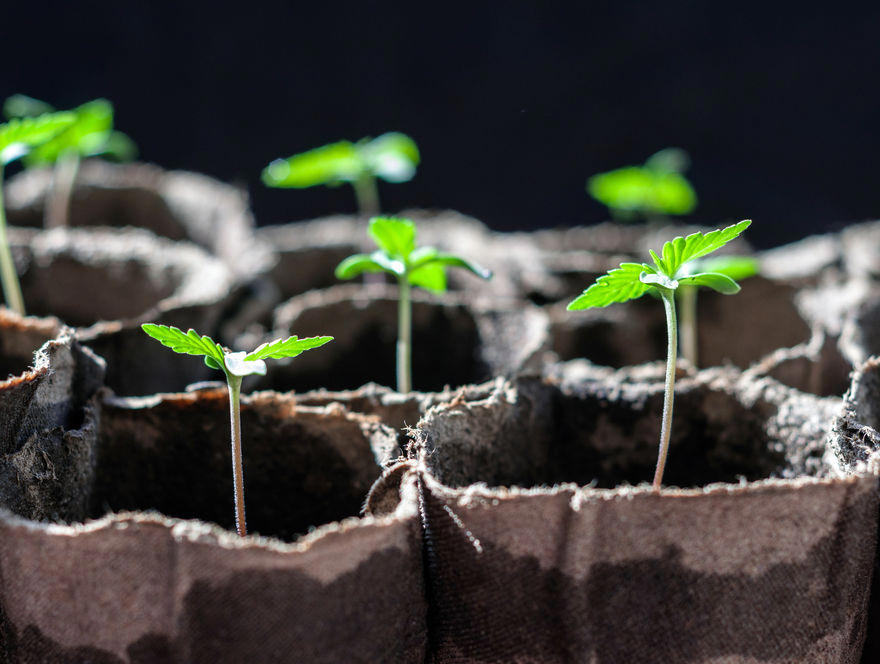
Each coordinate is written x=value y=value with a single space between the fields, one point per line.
x=63 y=179
x=404 y=337
x=8 y=275
x=687 y=300
x=367 y=193
x=234 y=384
x=669 y=392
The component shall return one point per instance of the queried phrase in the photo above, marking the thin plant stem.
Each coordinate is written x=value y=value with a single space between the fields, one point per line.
x=367 y=193
x=60 y=196
x=687 y=300
x=404 y=337
x=8 y=275
x=234 y=384
x=669 y=391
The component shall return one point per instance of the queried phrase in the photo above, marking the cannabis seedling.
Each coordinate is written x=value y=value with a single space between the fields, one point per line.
x=91 y=134
x=17 y=138
x=235 y=366
x=393 y=157
x=735 y=267
x=665 y=276
x=424 y=267
x=654 y=189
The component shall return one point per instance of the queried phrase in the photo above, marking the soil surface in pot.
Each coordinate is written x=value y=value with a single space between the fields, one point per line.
x=303 y=467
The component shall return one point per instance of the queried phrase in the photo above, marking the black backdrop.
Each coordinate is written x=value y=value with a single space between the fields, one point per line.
x=513 y=104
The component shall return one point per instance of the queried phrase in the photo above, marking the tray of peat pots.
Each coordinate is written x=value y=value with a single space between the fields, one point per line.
x=757 y=544
x=48 y=418
x=105 y=282
x=313 y=581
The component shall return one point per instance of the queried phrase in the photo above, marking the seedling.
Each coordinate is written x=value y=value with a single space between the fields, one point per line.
x=235 y=365
x=668 y=273
x=17 y=138
x=654 y=189
x=735 y=267
x=393 y=157
x=424 y=267
x=90 y=135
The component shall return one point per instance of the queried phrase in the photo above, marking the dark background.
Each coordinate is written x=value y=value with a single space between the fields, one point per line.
x=513 y=104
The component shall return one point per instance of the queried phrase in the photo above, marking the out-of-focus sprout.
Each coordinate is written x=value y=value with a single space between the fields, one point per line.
x=657 y=188
x=91 y=134
x=392 y=157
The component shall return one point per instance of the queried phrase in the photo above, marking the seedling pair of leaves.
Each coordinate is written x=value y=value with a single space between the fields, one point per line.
x=424 y=267
x=18 y=138
x=656 y=188
x=672 y=270
x=91 y=134
x=392 y=157
x=235 y=366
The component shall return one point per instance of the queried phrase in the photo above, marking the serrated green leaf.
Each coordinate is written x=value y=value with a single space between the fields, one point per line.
x=188 y=343
x=23 y=106
x=21 y=134
x=392 y=157
x=356 y=265
x=396 y=237
x=430 y=275
x=680 y=250
x=619 y=285
x=328 y=164
x=290 y=347
x=735 y=267
x=714 y=280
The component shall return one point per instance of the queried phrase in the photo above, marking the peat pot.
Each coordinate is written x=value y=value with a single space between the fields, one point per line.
x=107 y=282
x=48 y=419
x=543 y=544
x=136 y=587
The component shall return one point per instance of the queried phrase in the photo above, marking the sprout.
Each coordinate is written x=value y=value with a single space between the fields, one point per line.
x=656 y=188
x=397 y=255
x=669 y=272
x=393 y=157
x=235 y=365
x=90 y=134
x=18 y=137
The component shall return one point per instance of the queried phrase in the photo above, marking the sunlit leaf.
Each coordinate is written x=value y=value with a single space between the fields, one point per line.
x=333 y=163
x=392 y=157
x=718 y=282
x=681 y=250
x=290 y=347
x=19 y=135
x=431 y=276
x=189 y=343
x=618 y=285
x=396 y=237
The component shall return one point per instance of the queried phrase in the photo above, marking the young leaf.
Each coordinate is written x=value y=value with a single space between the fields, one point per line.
x=356 y=265
x=329 y=164
x=397 y=237
x=392 y=157
x=735 y=267
x=189 y=343
x=636 y=188
x=619 y=285
x=714 y=280
x=430 y=275
x=20 y=134
x=290 y=347
x=23 y=106
x=680 y=250
x=455 y=261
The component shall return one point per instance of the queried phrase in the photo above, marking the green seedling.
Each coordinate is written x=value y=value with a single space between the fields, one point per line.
x=668 y=273
x=392 y=157
x=735 y=267
x=425 y=267
x=235 y=365
x=91 y=134
x=655 y=189
x=17 y=138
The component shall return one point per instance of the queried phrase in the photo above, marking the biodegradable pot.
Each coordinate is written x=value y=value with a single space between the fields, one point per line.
x=303 y=466
x=48 y=420
x=456 y=339
x=107 y=282
x=173 y=204
x=147 y=589
x=759 y=569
